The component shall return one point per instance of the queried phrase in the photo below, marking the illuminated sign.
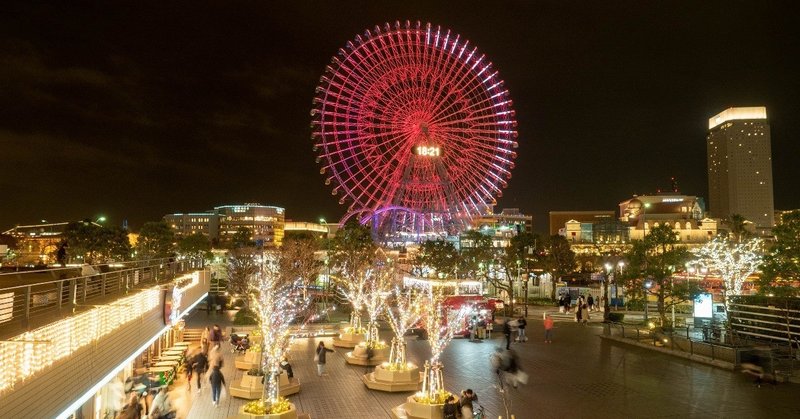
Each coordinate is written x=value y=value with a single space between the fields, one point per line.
x=703 y=306
x=672 y=200
x=427 y=151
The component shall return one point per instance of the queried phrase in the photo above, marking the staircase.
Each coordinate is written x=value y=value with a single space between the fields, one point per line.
x=192 y=335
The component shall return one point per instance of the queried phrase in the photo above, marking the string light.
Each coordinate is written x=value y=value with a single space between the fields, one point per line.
x=277 y=301
x=441 y=323
x=407 y=311
x=734 y=262
x=24 y=355
x=377 y=288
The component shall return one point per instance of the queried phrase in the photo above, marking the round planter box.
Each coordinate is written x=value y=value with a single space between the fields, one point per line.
x=289 y=414
x=348 y=340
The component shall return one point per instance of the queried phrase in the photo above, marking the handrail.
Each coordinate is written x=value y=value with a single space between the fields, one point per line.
x=42 y=300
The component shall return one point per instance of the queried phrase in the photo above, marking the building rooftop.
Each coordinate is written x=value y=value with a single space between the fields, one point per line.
x=730 y=114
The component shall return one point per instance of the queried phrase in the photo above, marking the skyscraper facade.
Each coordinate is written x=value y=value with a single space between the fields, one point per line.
x=740 y=166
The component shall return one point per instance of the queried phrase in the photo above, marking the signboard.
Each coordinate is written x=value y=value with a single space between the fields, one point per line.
x=703 y=306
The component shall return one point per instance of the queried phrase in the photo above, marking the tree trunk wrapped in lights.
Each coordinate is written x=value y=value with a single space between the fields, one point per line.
x=277 y=301
x=378 y=287
x=407 y=311
x=441 y=323
x=355 y=291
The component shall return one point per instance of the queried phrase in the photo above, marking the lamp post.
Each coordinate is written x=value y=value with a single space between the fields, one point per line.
x=608 y=267
x=646 y=286
x=645 y=206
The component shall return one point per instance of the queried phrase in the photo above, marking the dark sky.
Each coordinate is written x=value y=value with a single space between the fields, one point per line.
x=138 y=109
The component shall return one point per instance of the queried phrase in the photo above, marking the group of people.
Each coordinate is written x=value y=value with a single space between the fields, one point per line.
x=463 y=406
x=518 y=325
x=206 y=363
x=583 y=306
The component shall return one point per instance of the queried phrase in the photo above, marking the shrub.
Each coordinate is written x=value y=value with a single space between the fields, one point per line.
x=616 y=317
x=255 y=371
x=245 y=317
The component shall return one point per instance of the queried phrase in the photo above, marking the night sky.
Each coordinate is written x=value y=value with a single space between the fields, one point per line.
x=134 y=110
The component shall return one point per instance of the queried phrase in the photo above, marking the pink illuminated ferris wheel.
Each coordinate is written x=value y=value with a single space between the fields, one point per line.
x=414 y=129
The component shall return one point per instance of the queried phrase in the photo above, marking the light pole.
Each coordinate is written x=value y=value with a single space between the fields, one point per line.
x=608 y=267
x=645 y=206
x=646 y=286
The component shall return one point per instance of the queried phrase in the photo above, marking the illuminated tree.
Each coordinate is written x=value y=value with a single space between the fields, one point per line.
x=277 y=300
x=352 y=255
x=734 y=261
x=404 y=310
x=441 y=323
x=378 y=287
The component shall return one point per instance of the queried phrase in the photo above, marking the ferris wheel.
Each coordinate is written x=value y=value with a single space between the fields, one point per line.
x=414 y=129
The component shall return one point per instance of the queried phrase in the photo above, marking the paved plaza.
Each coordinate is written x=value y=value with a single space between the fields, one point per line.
x=577 y=376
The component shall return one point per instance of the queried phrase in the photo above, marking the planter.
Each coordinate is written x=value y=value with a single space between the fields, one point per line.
x=384 y=379
x=251 y=359
x=251 y=387
x=359 y=356
x=413 y=410
x=289 y=414
x=348 y=340
x=409 y=375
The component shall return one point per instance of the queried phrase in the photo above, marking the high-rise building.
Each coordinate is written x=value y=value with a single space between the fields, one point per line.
x=740 y=166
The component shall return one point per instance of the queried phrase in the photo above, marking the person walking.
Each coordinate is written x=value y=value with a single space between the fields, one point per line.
x=204 y=336
x=590 y=302
x=521 y=323
x=215 y=335
x=199 y=367
x=161 y=408
x=320 y=357
x=548 y=329
x=215 y=358
x=585 y=313
x=507 y=333
x=188 y=364
x=217 y=381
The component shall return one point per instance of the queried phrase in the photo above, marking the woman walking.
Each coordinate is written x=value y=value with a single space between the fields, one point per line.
x=217 y=381
x=320 y=357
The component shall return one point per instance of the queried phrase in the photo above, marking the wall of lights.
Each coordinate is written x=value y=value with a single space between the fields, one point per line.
x=23 y=356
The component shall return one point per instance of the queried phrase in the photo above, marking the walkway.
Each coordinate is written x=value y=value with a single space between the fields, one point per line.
x=577 y=376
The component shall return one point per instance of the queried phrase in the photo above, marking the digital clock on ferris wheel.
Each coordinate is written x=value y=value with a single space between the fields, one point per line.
x=427 y=151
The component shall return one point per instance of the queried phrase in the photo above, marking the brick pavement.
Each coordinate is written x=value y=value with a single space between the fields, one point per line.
x=577 y=376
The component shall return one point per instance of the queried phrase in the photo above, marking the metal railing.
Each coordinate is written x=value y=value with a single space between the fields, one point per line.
x=24 y=306
x=682 y=340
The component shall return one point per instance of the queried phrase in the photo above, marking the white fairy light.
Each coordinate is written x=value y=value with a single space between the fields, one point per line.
x=734 y=262
x=276 y=302
x=407 y=312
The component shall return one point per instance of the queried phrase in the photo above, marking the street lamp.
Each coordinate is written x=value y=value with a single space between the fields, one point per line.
x=101 y=219
x=646 y=285
x=645 y=206
x=608 y=267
